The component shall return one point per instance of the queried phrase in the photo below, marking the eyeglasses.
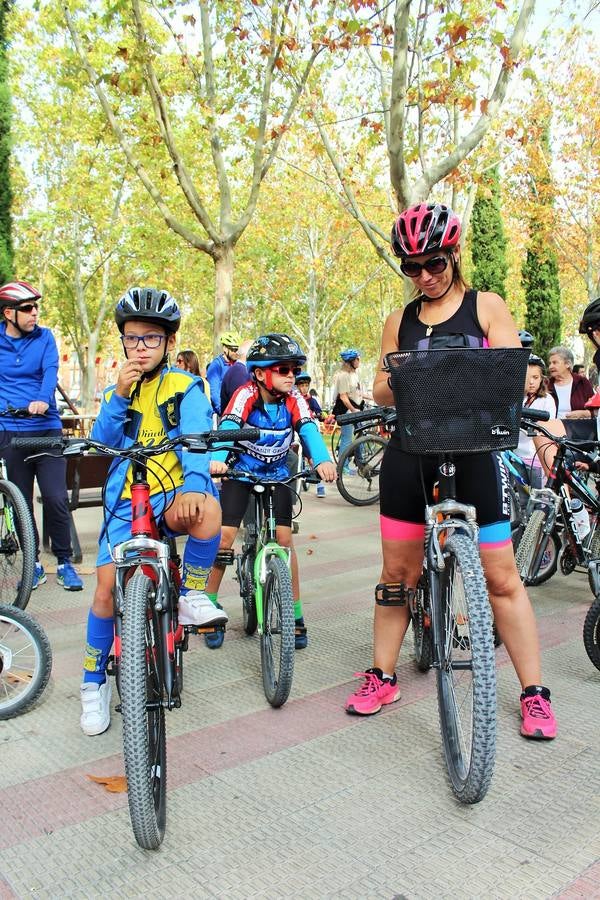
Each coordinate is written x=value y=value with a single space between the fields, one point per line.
x=435 y=266
x=151 y=341
x=283 y=369
x=27 y=307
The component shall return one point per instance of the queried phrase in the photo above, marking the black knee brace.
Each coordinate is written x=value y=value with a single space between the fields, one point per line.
x=395 y=593
x=224 y=557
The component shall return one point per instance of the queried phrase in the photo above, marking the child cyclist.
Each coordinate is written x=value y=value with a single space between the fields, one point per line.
x=151 y=402
x=272 y=403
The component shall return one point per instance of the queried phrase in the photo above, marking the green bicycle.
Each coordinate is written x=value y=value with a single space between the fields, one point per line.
x=265 y=579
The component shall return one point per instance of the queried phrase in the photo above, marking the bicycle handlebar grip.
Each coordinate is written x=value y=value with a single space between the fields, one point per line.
x=234 y=434
x=38 y=443
x=536 y=415
x=361 y=415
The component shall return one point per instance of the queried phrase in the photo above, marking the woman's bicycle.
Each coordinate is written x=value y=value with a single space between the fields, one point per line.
x=17 y=539
x=149 y=641
x=450 y=609
x=360 y=463
x=264 y=576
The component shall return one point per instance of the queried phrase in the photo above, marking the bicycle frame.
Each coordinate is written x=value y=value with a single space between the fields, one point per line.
x=157 y=560
x=266 y=544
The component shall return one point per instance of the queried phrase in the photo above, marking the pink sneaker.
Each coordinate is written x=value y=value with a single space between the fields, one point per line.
x=536 y=712
x=373 y=694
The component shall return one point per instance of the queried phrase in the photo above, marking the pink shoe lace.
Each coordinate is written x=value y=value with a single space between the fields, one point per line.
x=370 y=686
x=538 y=708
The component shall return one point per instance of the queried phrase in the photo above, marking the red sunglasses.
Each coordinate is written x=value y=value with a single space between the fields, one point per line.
x=435 y=266
x=284 y=369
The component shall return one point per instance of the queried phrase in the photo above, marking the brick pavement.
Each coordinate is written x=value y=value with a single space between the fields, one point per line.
x=307 y=801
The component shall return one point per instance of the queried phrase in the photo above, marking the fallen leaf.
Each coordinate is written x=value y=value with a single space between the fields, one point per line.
x=114 y=784
x=313 y=537
x=309 y=551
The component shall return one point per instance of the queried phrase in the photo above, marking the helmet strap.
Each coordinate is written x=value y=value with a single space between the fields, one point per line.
x=16 y=325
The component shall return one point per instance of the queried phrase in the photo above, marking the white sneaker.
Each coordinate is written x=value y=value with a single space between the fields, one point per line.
x=95 y=705
x=196 y=608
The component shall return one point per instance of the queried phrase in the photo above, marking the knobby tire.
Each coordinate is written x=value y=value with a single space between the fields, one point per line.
x=25 y=661
x=144 y=738
x=466 y=695
x=591 y=633
x=277 y=642
x=250 y=620
x=528 y=550
x=365 y=454
x=17 y=547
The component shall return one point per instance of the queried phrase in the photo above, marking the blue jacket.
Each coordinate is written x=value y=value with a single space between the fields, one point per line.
x=215 y=372
x=277 y=423
x=28 y=372
x=183 y=409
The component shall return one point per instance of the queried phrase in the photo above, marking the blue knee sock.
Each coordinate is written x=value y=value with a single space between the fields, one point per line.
x=100 y=633
x=198 y=558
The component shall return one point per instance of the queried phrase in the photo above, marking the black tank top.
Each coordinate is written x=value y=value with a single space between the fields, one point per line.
x=460 y=330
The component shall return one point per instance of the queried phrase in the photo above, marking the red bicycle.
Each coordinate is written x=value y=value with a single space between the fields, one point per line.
x=149 y=641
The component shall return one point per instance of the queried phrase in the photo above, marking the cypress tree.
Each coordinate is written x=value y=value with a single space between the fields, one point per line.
x=540 y=268
x=488 y=241
x=6 y=247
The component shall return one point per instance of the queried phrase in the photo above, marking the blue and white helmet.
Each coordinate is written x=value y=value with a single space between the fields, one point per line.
x=350 y=354
x=270 y=349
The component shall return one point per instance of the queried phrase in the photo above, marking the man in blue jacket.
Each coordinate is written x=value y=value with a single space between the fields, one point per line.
x=28 y=379
x=216 y=369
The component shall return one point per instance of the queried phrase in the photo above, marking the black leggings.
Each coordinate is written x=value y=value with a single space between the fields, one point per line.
x=50 y=472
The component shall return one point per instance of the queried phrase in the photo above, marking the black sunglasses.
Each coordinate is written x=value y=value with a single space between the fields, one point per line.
x=285 y=370
x=435 y=266
x=27 y=307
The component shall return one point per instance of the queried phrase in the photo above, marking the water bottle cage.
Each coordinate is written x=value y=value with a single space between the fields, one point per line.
x=394 y=594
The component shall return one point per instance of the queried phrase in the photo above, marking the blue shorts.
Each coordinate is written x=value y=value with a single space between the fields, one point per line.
x=117 y=528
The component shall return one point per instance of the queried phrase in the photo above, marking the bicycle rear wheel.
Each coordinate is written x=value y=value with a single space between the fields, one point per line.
x=17 y=547
x=466 y=678
x=247 y=591
x=142 y=695
x=591 y=633
x=25 y=661
x=277 y=642
x=361 y=460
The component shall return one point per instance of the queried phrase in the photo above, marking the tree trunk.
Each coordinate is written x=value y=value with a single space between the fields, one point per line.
x=223 y=259
x=88 y=375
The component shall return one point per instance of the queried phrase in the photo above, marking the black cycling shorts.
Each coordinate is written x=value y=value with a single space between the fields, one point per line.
x=481 y=481
x=234 y=502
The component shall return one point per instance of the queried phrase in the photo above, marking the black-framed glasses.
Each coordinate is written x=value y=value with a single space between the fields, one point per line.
x=27 y=307
x=284 y=369
x=150 y=341
x=435 y=266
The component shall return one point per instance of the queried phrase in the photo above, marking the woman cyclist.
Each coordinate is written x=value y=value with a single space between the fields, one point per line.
x=445 y=313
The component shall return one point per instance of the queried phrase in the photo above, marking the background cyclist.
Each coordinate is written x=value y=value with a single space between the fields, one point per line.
x=150 y=402
x=219 y=365
x=445 y=313
x=272 y=403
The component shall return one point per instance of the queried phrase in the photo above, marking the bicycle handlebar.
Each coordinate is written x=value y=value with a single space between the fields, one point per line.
x=194 y=443
x=385 y=414
x=535 y=415
x=18 y=412
x=309 y=475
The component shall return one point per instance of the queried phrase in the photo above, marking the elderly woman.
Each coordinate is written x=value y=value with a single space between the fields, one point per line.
x=570 y=391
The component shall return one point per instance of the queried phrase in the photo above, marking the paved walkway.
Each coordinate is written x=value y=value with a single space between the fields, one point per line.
x=306 y=801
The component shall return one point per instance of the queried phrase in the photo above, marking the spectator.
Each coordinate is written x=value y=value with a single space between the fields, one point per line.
x=218 y=366
x=570 y=390
x=579 y=369
x=236 y=375
x=303 y=384
x=28 y=378
x=188 y=361
x=347 y=393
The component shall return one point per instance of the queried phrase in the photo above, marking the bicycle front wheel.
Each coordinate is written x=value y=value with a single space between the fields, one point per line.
x=17 y=547
x=358 y=470
x=591 y=633
x=142 y=695
x=466 y=677
x=277 y=641
x=537 y=552
x=25 y=661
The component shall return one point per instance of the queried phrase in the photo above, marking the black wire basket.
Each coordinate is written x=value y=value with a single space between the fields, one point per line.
x=458 y=400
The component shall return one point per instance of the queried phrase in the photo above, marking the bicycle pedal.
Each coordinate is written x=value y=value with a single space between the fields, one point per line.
x=205 y=629
x=111 y=666
x=295 y=527
x=300 y=629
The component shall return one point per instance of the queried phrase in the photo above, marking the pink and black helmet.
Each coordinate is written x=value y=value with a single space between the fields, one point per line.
x=425 y=228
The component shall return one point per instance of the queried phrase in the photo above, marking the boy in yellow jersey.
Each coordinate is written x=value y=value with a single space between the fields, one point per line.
x=150 y=402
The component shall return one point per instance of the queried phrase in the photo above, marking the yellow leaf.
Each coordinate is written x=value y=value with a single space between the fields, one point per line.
x=114 y=784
